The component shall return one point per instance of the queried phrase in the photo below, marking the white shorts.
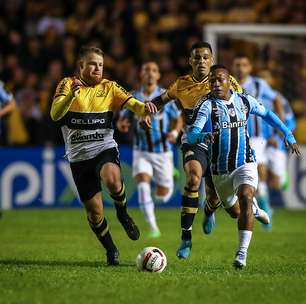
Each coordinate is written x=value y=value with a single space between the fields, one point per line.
x=277 y=163
x=259 y=145
x=157 y=165
x=226 y=185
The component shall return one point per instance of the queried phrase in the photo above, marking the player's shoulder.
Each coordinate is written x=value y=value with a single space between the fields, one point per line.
x=113 y=85
x=66 y=80
x=183 y=81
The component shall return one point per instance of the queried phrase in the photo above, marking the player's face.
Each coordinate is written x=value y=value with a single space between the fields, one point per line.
x=149 y=73
x=91 y=68
x=201 y=60
x=219 y=82
x=242 y=67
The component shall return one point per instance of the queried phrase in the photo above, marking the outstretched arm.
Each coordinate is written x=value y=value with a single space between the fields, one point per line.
x=273 y=120
x=161 y=100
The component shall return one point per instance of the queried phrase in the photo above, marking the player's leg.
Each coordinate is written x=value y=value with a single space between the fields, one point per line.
x=110 y=173
x=263 y=193
x=258 y=213
x=212 y=203
x=245 y=180
x=142 y=172
x=99 y=226
x=89 y=189
x=190 y=201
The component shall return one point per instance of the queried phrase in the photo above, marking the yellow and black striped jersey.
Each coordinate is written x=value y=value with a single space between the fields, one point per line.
x=86 y=117
x=189 y=92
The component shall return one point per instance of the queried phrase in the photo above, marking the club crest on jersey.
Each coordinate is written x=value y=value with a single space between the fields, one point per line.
x=100 y=93
x=231 y=112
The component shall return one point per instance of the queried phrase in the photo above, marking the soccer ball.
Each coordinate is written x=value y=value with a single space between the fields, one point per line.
x=151 y=259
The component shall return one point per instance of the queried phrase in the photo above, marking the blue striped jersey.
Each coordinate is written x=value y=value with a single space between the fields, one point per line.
x=155 y=139
x=231 y=148
x=259 y=89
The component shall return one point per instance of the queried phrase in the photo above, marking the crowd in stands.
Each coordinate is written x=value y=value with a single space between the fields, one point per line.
x=40 y=42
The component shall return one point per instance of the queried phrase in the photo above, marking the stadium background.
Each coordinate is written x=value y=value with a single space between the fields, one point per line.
x=49 y=255
x=39 y=45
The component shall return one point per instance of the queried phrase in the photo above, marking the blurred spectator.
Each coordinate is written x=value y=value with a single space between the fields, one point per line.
x=40 y=42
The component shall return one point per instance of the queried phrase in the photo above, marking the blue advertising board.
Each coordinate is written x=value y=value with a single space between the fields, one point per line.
x=41 y=177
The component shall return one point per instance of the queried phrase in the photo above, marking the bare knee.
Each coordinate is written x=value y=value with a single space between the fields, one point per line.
x=193 y=180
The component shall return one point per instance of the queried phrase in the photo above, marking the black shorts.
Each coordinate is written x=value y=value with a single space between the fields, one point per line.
x=195 y=152
x=86 y=173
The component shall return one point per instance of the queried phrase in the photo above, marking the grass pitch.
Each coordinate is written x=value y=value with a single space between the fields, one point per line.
x=51 y=256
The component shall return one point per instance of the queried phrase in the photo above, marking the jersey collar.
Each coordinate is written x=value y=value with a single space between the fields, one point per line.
x=197 y=81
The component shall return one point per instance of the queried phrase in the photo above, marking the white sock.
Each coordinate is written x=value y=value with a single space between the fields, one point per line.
x=262 y=189
x=244 y=240
x=146 y=204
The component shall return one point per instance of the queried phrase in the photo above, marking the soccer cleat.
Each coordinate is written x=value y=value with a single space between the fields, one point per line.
x=268 y=226
x=184 y=250
x=240 y=259
x=129 y=226
x=112 y=258
x=154 y=234
x=261 y=215
x=209 y=222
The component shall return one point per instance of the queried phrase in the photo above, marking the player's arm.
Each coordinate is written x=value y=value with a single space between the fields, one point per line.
x=177 y=127
x=195 y=134
x=8 y=107
x=161 y=100
x=273 y=120
x=124 y=121
x=140 y=108
x=65 y=92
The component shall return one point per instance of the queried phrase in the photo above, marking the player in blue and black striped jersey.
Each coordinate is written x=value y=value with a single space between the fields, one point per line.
x=224 y=115
x=259 y=130
x=152 y=153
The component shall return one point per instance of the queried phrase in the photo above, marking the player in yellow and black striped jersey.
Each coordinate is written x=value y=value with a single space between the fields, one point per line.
x=188 y=91
x=85 y=107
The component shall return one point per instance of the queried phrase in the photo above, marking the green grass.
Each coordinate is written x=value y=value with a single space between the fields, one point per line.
x=51 y=256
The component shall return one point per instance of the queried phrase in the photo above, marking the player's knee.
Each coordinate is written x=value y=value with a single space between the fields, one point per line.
x=94 y=216
x=193 y=180
x=114 y=185
x=164 y=195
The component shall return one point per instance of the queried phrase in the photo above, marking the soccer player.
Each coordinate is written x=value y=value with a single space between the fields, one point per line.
x=188 y=90
x=85 y=105
x=152 y=154
x=224 y=114
x=7 y=105
x=276 y=151
x=259 y=130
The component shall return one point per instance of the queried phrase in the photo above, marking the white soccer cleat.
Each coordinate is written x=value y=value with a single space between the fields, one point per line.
x=240 y=259
x=261 y=215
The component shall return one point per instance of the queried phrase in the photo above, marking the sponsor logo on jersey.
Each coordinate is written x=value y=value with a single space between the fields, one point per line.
x=93 y=137
x=235 y=124
x=101 y=93
x=81 y=121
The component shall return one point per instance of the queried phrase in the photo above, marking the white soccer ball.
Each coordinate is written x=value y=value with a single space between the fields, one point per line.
x=151 y=259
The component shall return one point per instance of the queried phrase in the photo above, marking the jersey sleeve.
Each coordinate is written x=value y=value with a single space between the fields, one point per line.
x=172 y=90
x=62 y=99
x=256 y=107
x=203 y=115
x=235 y=85
x=120 y=95
x=135 y=106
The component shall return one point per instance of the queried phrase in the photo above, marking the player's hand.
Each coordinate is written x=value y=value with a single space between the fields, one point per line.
x=123 y=125
x=209 y=138
x=294 y=148
x=150 y=107
x=76 y=85
x=145 y=122
x=172 y=136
